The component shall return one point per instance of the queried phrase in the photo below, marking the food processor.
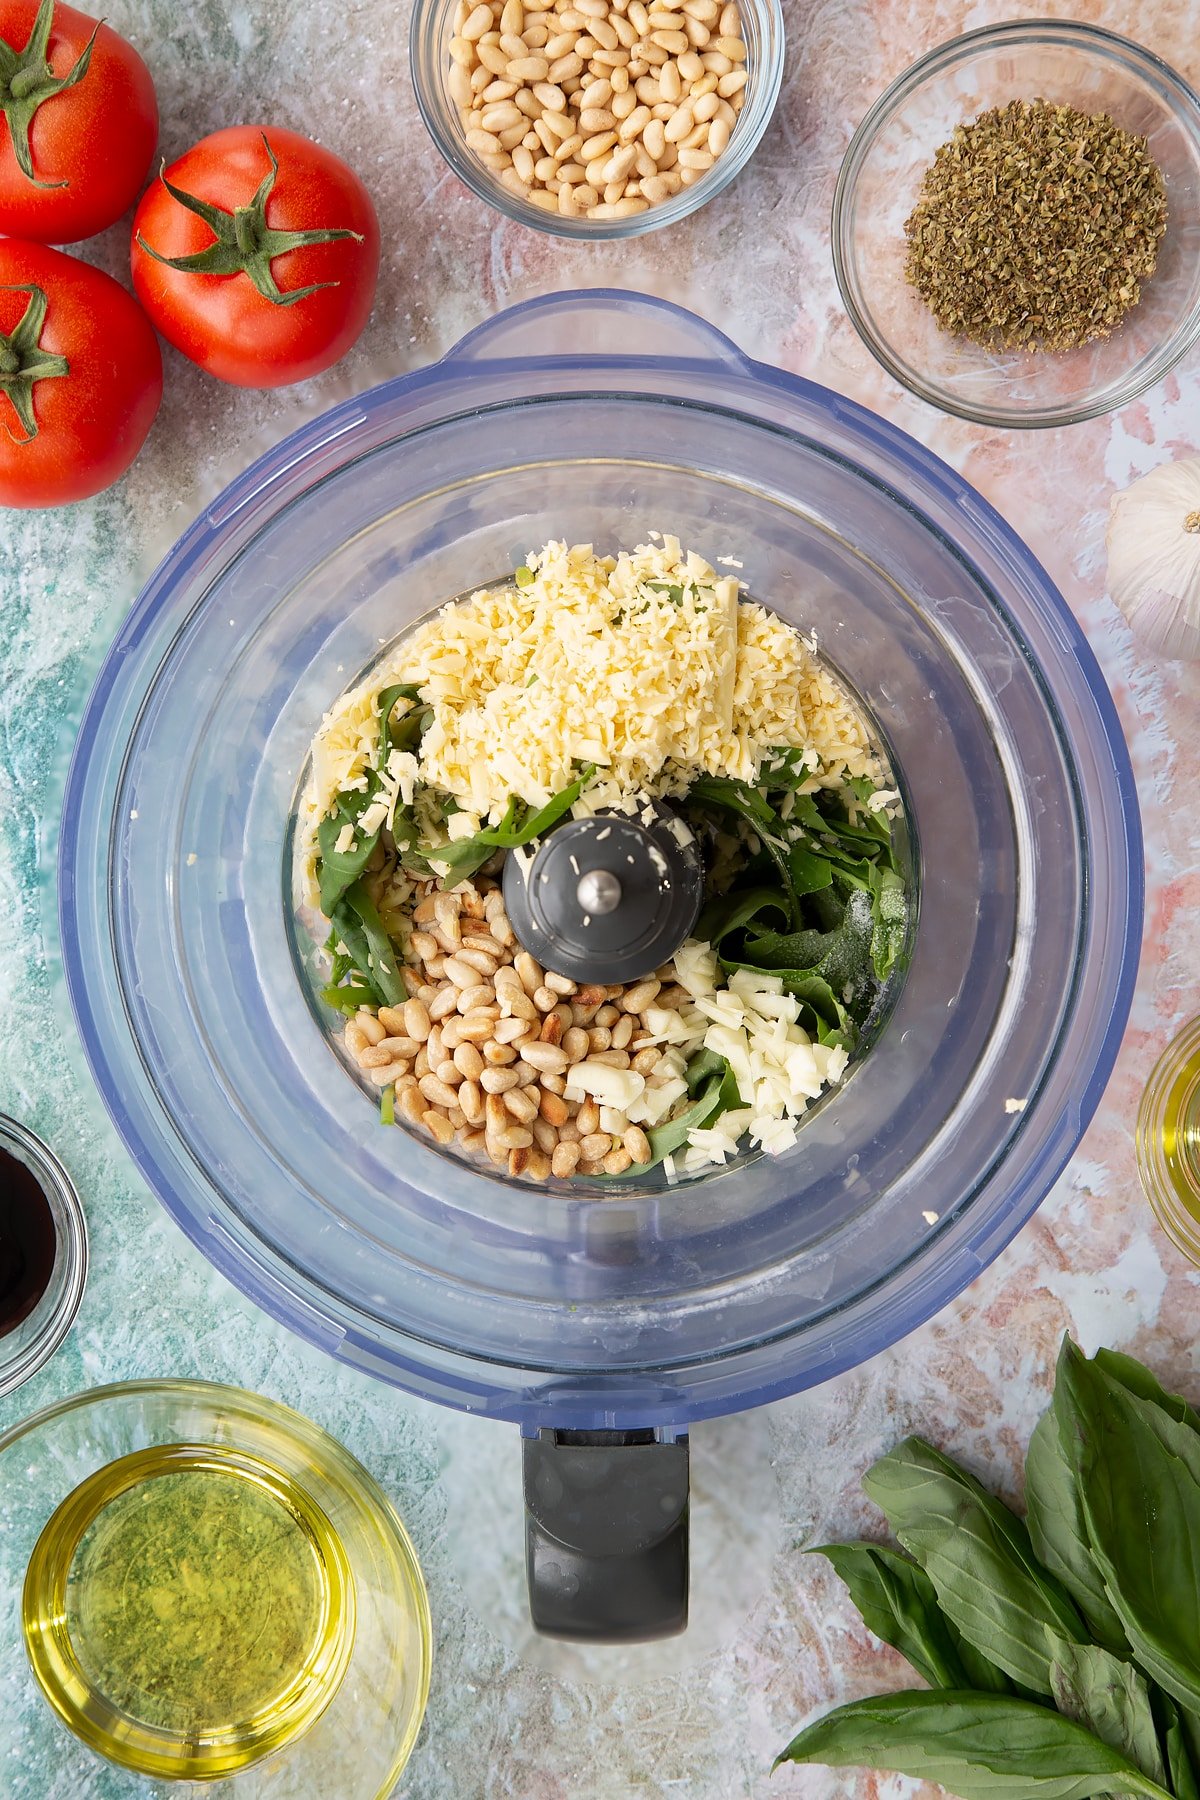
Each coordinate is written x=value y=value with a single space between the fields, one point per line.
x=601 y=1323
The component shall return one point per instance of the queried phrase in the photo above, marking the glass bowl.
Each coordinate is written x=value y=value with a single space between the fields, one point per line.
x=1168 y=1141
x=31 y=1344
x=86 y=1491
x=180 y=939
x=429 y=34
x=1061 y=61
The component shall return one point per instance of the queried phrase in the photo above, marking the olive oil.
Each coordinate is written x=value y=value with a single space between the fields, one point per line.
x=196 y=1597
x=1168 y=1140
x=1181 y=1133
x=28 y=1242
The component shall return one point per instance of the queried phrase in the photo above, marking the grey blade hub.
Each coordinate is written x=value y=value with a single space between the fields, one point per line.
x=607 y=899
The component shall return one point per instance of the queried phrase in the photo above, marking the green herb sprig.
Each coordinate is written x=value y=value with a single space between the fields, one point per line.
x=1062 y=1650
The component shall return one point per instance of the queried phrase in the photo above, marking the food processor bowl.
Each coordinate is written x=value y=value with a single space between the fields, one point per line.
x=186 y=965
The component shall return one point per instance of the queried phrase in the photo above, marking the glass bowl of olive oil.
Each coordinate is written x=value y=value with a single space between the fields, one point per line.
x=1168 y=1141
x=213 y=1590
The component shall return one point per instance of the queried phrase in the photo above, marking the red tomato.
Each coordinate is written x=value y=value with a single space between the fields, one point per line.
x=80 y=377
x=80 y=134
x=242 y=293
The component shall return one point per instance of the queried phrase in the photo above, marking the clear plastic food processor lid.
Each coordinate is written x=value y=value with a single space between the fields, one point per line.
x=192 y=981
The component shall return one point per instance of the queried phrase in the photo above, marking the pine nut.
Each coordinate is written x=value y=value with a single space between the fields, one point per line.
x=549 y=1058
x=470 y=1099
x=696 y=159
x=718 y=137
x=617 y=1161
x=449 y=1072
x=576 y=1043
x=527 y=69
x=438 y=1126
x=638 y=998
x=370 y=1027
x=473 y=1141
x=521 y=1105
x=417 y=1020
x=478 y=22
x=691 y=68
x=498 y=1056
x=468 y=1061
x=595 y=1145
x=553 y=1107
x=477 y=1026
x=445 y=1002
x=644 y=1062
x=706 y=106
x=564 y=1161
x=387 y=1073
x=412 y=1105
x=538 y=1166
x=355 y=1038
x=637 y=1144
x=514 y=1137
x=731 y=84
x=436 y=1091
x=405 y=1047
x=509 y=1030
x=622 y=1031
x=587 y=1118
x=654 y=139
x=544 y=1135
x=529 y=971
x=498 y=1081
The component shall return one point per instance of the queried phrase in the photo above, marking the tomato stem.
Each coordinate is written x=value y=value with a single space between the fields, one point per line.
x=23 y=362
x=27 y=82
x=243 y=242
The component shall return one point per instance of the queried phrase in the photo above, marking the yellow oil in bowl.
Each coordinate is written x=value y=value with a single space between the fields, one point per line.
x=214 y=1590
x=1168 y=1141
x=188 y=1610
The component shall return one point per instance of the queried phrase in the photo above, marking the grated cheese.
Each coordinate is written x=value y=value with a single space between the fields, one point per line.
x=591 y=663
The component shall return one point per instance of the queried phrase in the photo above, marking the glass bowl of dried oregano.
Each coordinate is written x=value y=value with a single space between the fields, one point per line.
x=1016 y=225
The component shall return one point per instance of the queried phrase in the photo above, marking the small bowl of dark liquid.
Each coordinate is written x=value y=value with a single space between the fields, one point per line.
x=43 y=1254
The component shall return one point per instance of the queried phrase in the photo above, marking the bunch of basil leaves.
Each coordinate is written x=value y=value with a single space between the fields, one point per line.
x=1062 y=1651
x=819 y=897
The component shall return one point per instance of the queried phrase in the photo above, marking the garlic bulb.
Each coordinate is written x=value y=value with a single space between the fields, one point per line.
x=1154 y=557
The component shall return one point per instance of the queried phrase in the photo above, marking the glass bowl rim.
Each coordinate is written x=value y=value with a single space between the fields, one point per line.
x=1094 y=40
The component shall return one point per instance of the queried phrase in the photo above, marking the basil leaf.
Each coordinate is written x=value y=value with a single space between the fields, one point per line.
x=348 y=998
x=718 y=1094
x=1139 y=1482
x=808 y=871
x=360 y=928
x=468 y=854
x=1136 y=1379
x=1111 y=1699
x=979 y=1558
x=387 y=1105
x=729 y=912
x=979 y=1746
x=899 y=1604
x=889 y=914
x=340 y=869
x=1181 y=1755
x=1054 y=1515
x=409 y=728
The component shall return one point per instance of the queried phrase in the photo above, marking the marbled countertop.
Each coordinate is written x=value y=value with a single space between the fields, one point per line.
x=774 y=1639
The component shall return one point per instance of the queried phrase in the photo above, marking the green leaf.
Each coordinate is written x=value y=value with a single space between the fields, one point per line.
x=1139 y=1481
x=889 y=914
x=356 y=920
x=340 y=869
x=1054 y=1515
x=978 y=1746
x=1108 y=1695
x=1137 y=1380
x=387 y=1105
x=466 y=855
x=409 y=727
x=524 y=577
x=717 y=1095
x=979 y=1558
x=809 y=871
x=898 y=1602
x=348 y=997
x=729 y=912
x=1180 y=1751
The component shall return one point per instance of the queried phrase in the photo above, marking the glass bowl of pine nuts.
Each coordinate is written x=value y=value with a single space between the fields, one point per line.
x=597 y=118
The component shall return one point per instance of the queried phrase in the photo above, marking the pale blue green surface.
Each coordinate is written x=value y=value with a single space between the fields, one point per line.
x=773 y=1639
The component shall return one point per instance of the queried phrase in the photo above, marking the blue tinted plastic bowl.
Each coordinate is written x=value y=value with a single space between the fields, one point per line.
x=175 y=890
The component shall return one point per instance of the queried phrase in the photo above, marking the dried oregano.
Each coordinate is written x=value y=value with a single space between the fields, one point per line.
x=1035 y=227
